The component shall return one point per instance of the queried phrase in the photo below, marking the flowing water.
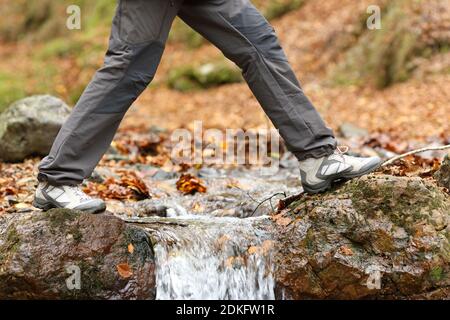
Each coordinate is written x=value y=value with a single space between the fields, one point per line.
x=214 y=245
x=211 y=259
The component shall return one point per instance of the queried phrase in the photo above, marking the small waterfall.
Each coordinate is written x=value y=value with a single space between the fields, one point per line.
x=214 y=245
x=213 y=258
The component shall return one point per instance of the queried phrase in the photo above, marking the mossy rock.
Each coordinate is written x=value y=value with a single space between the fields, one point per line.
x=374 y=237
x=442 y=176
x=203 y=76
x=386 y=56
x=36 y=250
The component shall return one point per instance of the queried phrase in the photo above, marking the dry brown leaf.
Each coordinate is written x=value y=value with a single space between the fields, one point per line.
x=188 y=184
x=254 y=250
x=346 y=251
x=229 y=262
x=124 y=270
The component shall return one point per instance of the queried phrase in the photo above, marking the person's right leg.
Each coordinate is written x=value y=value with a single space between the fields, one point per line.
x=139 y=32
x=247 y=38
x=242 y=33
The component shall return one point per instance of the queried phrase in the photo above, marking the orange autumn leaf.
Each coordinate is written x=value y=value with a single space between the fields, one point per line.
x=254 y=250
x=188 y=184
x=346 y=251
x=229 y=262
x=130 y=248
x=124 y=270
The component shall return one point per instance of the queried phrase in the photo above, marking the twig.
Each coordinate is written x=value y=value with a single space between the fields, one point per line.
x=247 y=193
x=144 y=221
x=393 y=159
x=284 y=203
x=268 y=199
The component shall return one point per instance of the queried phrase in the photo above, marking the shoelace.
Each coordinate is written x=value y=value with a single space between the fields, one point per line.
x=341 y=151
x=77 y=191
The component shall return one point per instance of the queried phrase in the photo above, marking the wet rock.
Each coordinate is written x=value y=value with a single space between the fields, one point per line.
x=288 y=161
x=160 y=175
x=149 y=207
x=29 y=126
x=442 y=176
x=348 y=130
x=40 y=251
x=376 y=237
x=209 y=173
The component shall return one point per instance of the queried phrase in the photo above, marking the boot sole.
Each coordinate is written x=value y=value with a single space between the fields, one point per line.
x=46 y=205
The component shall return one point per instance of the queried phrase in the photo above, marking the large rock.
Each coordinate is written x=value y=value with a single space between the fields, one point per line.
x=40 y=251
x=29 y=126
x=442 y=176
x=376 y=237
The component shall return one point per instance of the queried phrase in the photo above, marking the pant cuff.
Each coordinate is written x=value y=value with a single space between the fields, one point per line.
x=316 y=153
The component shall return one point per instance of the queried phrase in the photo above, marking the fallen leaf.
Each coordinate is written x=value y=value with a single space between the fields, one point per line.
x=188 y=184
x=346 y=251
x=124 y=270
x=254 y=250
x=229 y=262
x=130 y=248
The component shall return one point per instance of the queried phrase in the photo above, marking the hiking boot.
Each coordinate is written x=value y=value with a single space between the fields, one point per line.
x=69 y=197
x=317 y=175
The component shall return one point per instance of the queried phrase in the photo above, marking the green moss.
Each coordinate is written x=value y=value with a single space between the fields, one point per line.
x=383 y=57
x=11 y=89
x=143 y=248
x=93 y=281
x=309 y=240
x=76 y=233
x=404 y=205
x=278 y=8
x=60 y=48
x=11 y=244
x=46 y=19
x=58 y=218
x=436 y=274
x=206 y=75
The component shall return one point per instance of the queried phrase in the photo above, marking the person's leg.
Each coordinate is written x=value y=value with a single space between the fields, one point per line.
x=245 y=37
x=139 y=32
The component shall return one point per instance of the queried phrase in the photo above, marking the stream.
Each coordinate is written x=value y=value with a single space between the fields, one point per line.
x=214 y=245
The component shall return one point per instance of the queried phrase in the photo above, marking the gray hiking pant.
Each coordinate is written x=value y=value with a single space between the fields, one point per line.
x=139 y=32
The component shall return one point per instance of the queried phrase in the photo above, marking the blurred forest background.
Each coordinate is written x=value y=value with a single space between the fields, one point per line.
x=394 y=80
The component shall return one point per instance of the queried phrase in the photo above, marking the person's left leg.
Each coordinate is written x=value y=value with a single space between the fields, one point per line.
x=138 y=35
x=245 y=37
